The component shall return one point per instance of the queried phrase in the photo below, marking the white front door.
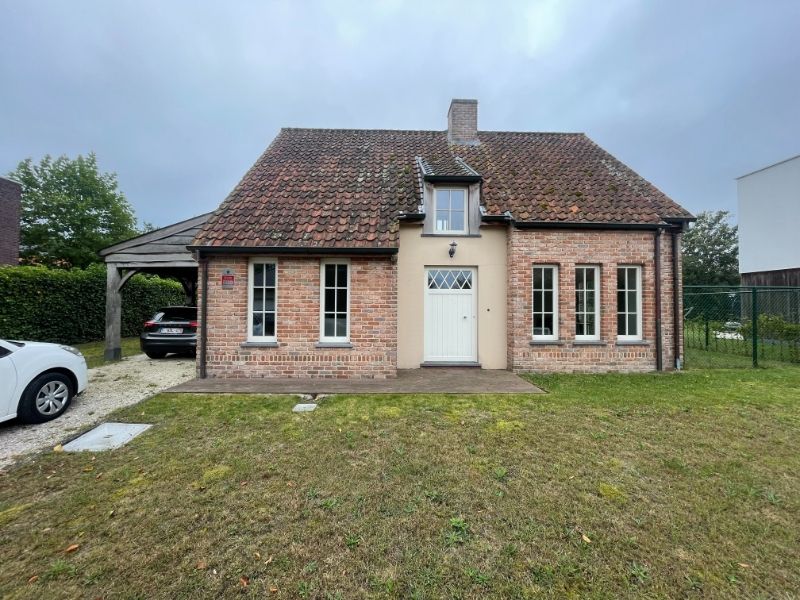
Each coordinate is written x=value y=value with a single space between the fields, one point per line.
x=450 y=315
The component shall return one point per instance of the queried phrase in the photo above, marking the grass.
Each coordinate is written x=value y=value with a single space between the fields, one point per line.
x=93 y=351
x=610 y=486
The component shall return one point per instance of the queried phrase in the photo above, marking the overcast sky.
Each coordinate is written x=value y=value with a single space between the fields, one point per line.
x=180 y=98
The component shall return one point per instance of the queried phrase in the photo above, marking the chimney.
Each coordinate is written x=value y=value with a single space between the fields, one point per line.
x=462 y=122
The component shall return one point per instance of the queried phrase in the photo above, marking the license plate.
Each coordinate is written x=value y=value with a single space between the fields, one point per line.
x=171 y=330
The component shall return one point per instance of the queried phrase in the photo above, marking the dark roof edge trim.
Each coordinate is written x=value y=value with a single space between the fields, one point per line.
x=301 y=250
x=577 y=225
x=412 y=217
x=496 y=218
x=453 y=178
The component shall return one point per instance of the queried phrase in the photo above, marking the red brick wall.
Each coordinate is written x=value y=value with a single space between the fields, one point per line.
x=10 y=192
x=568 y=248
x=373 y=322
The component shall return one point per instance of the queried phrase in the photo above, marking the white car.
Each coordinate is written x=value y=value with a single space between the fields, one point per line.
x=38 y=380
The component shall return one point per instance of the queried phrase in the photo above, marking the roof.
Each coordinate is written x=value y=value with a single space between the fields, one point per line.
x=780 y=162
x=346 y=188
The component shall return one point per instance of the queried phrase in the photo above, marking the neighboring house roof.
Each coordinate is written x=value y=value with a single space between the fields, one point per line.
x=347 y=188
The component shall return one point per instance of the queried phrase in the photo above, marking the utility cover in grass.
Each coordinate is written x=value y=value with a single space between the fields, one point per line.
x=304 y=407
x=106 y=436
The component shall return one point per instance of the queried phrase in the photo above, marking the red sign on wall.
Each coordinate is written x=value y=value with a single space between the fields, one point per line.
x=228 y=278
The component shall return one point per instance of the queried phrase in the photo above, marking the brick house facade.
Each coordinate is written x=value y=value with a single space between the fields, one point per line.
x=352 y=253
x=10 y=194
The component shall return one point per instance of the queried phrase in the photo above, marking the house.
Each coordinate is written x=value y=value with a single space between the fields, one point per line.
x=769 y=210
x=354 y=253
x=10 y=195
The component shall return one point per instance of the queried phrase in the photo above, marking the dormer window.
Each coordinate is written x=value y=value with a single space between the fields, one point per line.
x=451 y=210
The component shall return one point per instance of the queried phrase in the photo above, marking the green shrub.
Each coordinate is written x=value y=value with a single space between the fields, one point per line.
x=53 y=305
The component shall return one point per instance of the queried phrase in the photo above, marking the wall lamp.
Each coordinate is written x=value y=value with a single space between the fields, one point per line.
x=452 y=251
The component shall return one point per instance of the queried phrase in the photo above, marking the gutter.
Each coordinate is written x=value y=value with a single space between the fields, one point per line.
x=593 y=225
x=657 y=258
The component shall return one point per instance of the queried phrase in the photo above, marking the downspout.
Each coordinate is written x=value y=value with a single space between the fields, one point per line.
x=204 y=319
x=676 y=299
x=657 y=251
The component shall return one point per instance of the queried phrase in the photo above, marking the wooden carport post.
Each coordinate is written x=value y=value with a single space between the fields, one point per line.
x=115 y=281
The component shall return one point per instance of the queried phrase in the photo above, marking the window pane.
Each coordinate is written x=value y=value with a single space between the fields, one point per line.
x=269 y=324
x=341 y=326
x=590 y=273
x=457 y=221
x=269 y=299
x=537 y=279
x=330 y=324
x=580 y=305
x=269 y=275
x=442 y=220
x=258 y=275
x=621 y=325
x=341 y=276
x=590 y=302
x=620 y=301
x=258 y=299
x=548 y=301
x=632 y=325
x=620 y=279
x=590 y=325
x=258 y=324
x=457 y=200
x=442 y=199
x=330 y=275
x=330 y=297
x=579 y=273
x=537 y=323
x=548 y=325
x=631 y=302
x=579 y=325
x=341 y=300
x=537 y=302
x=548 y=279
x=631 y=279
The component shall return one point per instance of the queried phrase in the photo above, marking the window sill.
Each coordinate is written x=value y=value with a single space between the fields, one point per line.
x=258 y=345
x=333 y=345
x=633 y=343
x=546 y=343
x=452 y=235
x=589 y=343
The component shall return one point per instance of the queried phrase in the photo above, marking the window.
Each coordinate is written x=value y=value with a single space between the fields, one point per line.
x=587 y=303
x=451 y=213
x=629 y=303
x=262 y=300
x=335 y=303
x=545 y=303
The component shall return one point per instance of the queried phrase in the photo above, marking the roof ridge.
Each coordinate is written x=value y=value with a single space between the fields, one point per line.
x=428 y=131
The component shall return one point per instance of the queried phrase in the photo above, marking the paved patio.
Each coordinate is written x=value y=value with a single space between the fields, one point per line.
x=410 y=381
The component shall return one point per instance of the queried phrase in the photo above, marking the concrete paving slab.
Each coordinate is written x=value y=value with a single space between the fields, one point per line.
x=106 y=436
x=304 y=407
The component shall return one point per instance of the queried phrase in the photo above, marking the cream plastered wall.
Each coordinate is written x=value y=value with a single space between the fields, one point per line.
x=487 y=254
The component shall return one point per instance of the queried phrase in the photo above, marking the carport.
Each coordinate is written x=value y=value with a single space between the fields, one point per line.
x=161 y=252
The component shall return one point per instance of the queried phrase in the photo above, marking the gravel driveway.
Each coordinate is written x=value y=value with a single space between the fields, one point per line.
x=110 y=387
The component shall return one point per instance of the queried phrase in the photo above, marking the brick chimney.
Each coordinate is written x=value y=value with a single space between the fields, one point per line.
x=10 y=194
x=462 y=122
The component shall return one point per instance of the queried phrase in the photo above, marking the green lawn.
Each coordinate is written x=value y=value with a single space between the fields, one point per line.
x=93 y=351
x=610 y=486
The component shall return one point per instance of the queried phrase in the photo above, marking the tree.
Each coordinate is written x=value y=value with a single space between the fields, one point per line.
x=711 y=250
x=70 y=211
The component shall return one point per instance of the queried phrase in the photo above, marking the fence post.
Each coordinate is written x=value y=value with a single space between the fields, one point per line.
x=707 y=332
x=754 y=317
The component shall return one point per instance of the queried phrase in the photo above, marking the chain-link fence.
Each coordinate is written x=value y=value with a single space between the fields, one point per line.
x=731 y=326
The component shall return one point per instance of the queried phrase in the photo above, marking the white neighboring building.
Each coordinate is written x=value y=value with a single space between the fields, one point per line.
x=769 y=224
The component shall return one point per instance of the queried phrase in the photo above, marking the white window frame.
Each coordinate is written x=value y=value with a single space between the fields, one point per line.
x=250 y=281
x=638 y=270
x=554 y=335
x=462 y=231
x=597 y=323
x=329 y=338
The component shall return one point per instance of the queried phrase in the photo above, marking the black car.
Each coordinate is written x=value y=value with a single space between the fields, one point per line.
x=172 y=329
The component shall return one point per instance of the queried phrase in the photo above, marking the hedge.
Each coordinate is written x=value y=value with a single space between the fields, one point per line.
x=53 y=305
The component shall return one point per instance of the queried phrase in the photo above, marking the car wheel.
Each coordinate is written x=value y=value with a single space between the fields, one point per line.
x=156 y=355
x=45 y=398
